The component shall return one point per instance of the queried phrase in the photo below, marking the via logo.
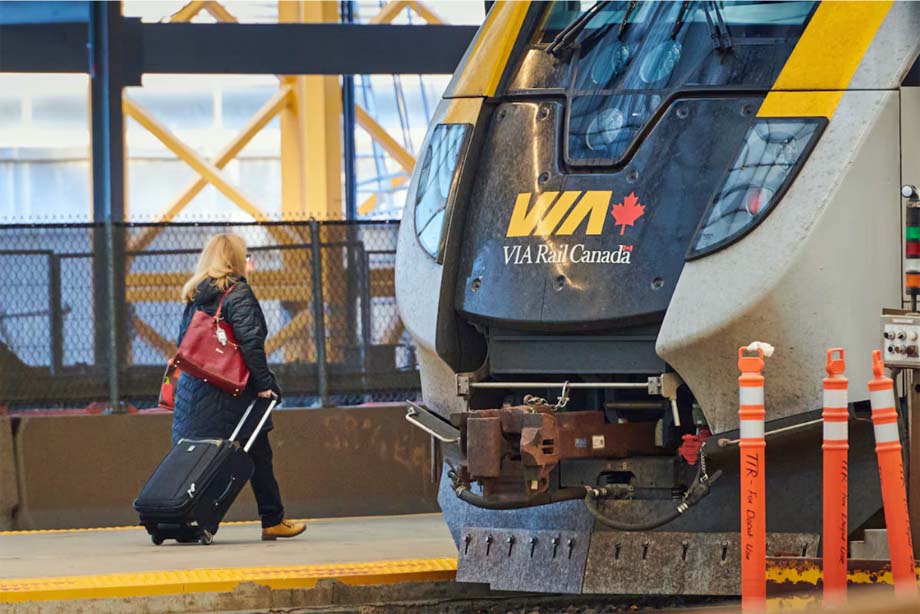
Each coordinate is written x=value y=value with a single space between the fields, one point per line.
x=562 y=213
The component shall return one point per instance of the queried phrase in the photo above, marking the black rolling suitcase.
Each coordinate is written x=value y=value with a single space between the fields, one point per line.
x=193 y=487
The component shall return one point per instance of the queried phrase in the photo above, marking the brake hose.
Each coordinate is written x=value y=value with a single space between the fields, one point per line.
x=493 y=503
x=697 y=491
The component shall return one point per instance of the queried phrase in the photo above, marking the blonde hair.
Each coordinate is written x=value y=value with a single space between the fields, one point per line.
x=223 y=256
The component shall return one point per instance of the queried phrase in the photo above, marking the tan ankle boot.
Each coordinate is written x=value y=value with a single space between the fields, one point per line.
x=285 y=528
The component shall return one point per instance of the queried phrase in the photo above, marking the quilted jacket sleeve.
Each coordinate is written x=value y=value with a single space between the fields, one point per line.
x=183 y=324
x=244 y=314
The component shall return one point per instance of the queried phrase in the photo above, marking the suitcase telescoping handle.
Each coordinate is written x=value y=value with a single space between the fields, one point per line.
x=255 y=432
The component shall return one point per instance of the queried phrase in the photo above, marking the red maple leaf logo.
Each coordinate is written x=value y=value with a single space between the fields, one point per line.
x=627 y=212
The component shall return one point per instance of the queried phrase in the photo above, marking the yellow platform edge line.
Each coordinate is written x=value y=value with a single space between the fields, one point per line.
x=137 y=527
x=213 y=580
x=152 y=583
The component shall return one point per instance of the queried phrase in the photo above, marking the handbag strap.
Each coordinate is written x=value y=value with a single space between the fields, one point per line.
x=220 y=305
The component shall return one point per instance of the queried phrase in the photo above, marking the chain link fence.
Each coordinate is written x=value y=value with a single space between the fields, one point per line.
x=335 y=336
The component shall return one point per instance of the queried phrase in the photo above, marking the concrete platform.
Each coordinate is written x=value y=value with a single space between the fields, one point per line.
x=122 y=562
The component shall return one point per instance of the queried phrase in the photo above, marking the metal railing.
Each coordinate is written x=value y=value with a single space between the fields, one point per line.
x=326 y=288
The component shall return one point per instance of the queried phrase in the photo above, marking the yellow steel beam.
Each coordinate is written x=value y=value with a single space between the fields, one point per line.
x=293 y=175
x=219 y=12
x=171 y=282
x=258 y=121
x=399 y=153
x=204 y=168
x=389 y=144
x=383 y=282
x=389 y=11
x=311 y=131
x=155 y=339
x=303 y=320
x=321 y=108
x=311 y=163
x=370 y=203
x=426 y=13
x=188 y=12
x=383 y=285
x=272 y=284
x=394 y=330
x=153 y=294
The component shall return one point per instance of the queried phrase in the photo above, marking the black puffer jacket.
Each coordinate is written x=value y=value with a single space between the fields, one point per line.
x=203 y=411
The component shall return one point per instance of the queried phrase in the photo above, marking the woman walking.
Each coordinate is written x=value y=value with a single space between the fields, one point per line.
x=203 y=411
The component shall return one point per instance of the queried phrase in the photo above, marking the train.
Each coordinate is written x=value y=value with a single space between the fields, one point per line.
x=611 y=199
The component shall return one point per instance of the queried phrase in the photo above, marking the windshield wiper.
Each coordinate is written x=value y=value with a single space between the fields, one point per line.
x=568 y=34
x=679 y=22
x=601 y=32
x=625 y=21
x=718 y=31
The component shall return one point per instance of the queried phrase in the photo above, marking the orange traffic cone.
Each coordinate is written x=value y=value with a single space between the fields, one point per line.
x=891 y=474
x=753 y=484
x=836 y=532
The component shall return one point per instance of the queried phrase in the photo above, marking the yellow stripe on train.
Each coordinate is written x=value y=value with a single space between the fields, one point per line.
x=824 y=60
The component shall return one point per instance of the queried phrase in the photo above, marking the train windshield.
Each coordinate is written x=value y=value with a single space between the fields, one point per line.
x=624 y=59
x=734 y=12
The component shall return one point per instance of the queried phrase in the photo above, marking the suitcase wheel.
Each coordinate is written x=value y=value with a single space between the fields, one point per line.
x=156 y=539
x=205 y=539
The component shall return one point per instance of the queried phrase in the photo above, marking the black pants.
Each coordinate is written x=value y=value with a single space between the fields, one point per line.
x=264 y=486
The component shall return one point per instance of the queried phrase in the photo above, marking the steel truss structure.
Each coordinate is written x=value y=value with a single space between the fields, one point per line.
x=308 y=51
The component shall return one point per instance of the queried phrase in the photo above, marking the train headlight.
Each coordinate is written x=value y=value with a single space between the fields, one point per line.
x=437 y=184
x=771 y=155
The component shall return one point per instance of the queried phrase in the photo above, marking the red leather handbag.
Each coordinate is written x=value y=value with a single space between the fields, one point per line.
x=209 y=351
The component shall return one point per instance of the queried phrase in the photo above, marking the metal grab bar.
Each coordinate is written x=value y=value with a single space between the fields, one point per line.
x=413 y=410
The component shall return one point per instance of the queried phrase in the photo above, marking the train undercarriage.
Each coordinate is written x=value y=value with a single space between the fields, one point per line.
x=544 y=497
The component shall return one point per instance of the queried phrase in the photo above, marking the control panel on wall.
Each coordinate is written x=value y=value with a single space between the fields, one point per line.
x=901 y=338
